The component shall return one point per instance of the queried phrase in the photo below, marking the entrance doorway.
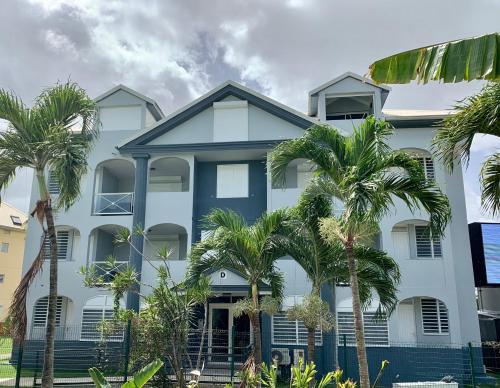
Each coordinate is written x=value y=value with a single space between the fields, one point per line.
x=222 y=325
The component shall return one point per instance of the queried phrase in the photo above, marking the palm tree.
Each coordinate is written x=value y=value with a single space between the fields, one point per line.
x=250 y=250
x=365 y=175
x=44 y=137
x=326 y=263
x=450 y=62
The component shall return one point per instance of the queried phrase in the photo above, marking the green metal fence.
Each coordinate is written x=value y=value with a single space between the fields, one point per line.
x=223 y=353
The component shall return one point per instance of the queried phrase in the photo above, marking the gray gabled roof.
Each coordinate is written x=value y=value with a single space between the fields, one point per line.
x=149 y=101
x=219 y=93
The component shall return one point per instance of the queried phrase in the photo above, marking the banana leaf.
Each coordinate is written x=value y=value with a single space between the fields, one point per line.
x=476 y=58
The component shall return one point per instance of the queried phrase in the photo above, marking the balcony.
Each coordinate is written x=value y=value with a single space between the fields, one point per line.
x=114 y=187
x=113 y=203
x=108 y=254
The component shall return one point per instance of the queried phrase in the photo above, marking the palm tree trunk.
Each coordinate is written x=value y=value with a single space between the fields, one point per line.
x=364 y=377
x=204 y=330
x=48 y=357
x=311 y=346
x=333 y=310
x=257 y=345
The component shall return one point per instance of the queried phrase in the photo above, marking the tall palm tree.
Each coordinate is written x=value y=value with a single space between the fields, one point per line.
x=325 y=263
x=249 y=249
x=45 y=137
x=366 y=175
x=476 y=58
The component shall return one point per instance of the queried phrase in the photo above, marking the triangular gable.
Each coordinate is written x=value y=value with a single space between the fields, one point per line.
x=154 y=107
x=218 y=94
x=230 y=280
x=342 y=77
x=345 y=81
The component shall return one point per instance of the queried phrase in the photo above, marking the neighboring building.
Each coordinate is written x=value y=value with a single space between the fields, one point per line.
x=12 y=237
x=165 y=173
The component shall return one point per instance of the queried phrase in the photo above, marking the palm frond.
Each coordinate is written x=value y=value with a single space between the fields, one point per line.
x=490 y=184
x=315 y=145
x=7 y=171
x=478 y=114
x=17 y=310
x=13 y=110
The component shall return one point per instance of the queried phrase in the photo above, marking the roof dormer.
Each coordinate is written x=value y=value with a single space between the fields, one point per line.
x=348 y=98
x=122 y=108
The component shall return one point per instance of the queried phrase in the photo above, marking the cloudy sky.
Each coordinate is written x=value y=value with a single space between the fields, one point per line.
x=174 y=51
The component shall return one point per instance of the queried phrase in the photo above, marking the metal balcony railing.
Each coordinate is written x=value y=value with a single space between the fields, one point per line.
x=113 y=203
x=108 y=270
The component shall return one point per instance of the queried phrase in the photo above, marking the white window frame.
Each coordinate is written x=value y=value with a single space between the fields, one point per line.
x=439 y=318
x=225 y=189
x=432 y=242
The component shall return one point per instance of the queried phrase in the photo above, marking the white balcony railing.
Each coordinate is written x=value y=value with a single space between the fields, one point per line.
x=113 y=203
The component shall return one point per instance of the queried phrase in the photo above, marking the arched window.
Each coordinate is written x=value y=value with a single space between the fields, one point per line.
x=66 y=237
x=434 y=316
x=40 y=311
x=412 y=240
x=425 y=160
x=95 y=313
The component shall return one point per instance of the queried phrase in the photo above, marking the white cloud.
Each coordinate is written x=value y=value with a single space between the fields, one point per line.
x=175 y=51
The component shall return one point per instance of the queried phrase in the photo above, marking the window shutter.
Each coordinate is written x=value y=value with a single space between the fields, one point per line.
x=52 y=184
x=41 y=310
x=425 y=247
x=286 y=332
x=428 y=165
x=232 y=181
x=91 y=322
x=434 y=316
x=376 y=330
x=64 y=238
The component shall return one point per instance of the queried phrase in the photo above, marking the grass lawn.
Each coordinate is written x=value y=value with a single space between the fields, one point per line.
x=5 y=346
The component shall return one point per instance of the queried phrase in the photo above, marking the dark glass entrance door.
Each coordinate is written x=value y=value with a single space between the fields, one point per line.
x=220 y=334
x=241 y=336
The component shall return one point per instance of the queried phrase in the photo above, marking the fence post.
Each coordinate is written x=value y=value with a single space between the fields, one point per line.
x=346 y=369
x=473 y=377
x=19 y=365
x=232 y=353
x=127 y=351
x=35 y=374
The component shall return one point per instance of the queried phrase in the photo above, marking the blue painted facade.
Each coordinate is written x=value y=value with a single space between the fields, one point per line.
x=205 y=193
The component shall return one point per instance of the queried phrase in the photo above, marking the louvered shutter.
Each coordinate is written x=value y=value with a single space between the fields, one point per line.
x=424 y=246
x=376 y=330
x=52 y=184
x=434 y=316
x=286 y=332
x=91 y=325
x=63 y=245
x=428 y=165
x=41 y=310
